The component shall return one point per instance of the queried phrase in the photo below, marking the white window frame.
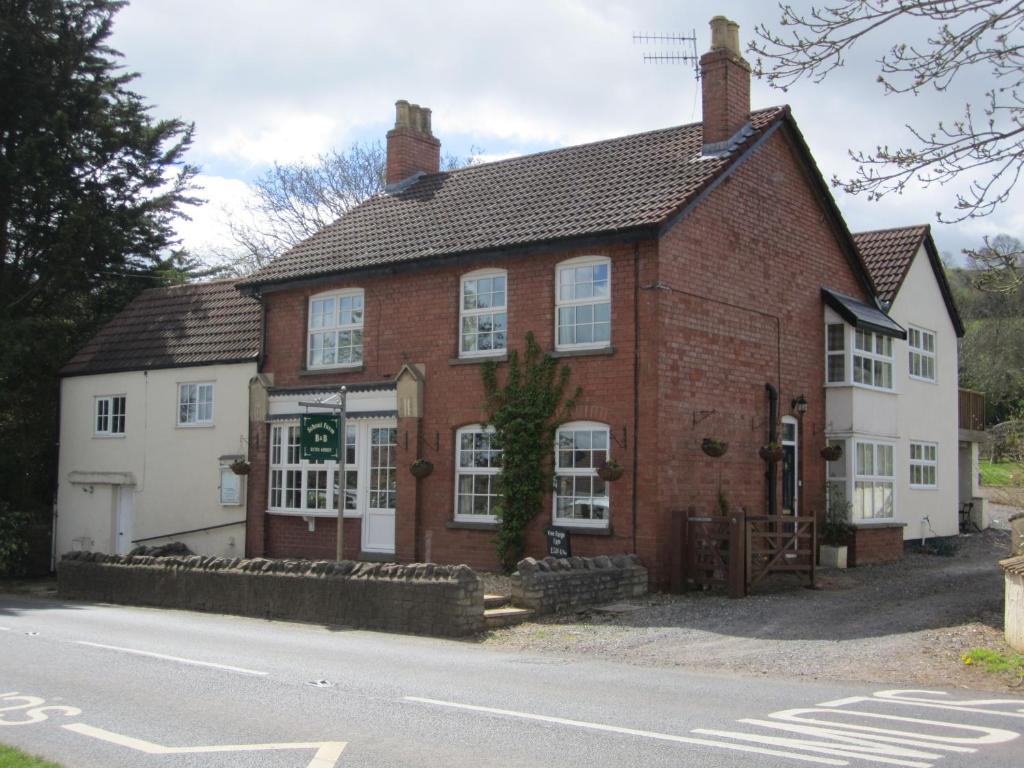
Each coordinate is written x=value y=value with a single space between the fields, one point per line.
x=878 y=482
x=837 y=473
x=923 y=463
x=576 y=472
x=575 y=303
x=336 y=327
x=920 y=352
x=490 y=471
x=842 y=352
x=475 y=313
x=303 y=467
x=195 y=422
x=873 y=356
x=110 y=416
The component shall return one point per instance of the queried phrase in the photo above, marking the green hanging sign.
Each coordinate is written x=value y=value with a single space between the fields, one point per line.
x=318 y=437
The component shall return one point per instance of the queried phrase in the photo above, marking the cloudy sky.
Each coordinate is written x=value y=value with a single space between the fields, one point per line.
x=284 y=80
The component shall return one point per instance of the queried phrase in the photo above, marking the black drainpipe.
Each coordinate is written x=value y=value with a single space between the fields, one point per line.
x=773 y=437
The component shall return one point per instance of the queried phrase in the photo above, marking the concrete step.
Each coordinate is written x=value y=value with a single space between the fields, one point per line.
x=505 y=617
x=496 y=601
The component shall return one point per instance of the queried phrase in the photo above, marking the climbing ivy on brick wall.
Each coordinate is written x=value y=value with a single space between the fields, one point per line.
x=525 y=413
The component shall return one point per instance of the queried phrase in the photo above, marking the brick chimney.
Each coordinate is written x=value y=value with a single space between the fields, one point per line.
x=725 y=84
x=411 y=146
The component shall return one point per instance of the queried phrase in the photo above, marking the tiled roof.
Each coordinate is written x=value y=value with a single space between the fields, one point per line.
x=600 y=188
x=888 y=254
x=195 y=324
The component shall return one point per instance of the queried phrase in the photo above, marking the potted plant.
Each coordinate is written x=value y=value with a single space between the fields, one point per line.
x=833 y=452
x=836 y=532
x=240 y=467
x=609 y=471
x=714 y=447
x=421 y=468
x=771 y=453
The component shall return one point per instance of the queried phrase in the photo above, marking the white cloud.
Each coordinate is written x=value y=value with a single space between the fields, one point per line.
x=207 y=232
x=281 y=138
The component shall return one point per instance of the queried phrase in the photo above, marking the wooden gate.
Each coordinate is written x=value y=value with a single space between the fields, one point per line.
x=714 y=551
x=779 y=544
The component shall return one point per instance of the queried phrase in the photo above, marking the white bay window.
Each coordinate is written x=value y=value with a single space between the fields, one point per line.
x=873 y=481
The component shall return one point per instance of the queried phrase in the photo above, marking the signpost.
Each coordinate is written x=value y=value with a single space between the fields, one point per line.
x=322 y=437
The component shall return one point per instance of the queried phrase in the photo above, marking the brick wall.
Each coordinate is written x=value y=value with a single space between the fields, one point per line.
x=747 y=266
x=413 y=317
x=876 y=544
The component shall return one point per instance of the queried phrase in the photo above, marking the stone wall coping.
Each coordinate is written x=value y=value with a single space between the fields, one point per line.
x=561 y=564
x=346 y=569
x=1014 y=565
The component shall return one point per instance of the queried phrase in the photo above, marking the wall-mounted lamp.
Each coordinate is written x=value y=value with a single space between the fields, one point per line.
x=799 y=405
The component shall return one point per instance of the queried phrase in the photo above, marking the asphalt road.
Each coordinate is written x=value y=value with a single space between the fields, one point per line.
x=94 y=686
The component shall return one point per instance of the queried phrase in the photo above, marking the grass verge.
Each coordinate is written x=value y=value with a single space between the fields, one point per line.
x=994 y=662
x=15 y=758
x=1001 y=474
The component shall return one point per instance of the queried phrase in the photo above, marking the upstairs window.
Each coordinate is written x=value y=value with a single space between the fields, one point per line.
x=583 y=304
x=195 y=405
x=110 y=413
x=581 y=497
x=872 y=359
x=835 y=351
x=483 y=314
x=478 y=463
x=336 y=330
x=922 y=354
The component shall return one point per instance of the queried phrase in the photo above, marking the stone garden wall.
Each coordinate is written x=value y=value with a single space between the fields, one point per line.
x=555 y=585
x=428 y=599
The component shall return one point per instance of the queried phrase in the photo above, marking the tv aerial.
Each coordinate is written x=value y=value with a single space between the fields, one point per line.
x=687 y=53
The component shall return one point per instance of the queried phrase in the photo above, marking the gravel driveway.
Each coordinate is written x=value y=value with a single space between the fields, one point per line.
x=902 y=623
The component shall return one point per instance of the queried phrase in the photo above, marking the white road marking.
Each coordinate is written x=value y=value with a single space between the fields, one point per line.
x=178 y=659
x=5 y=629
x=327 y=752
x=901 y=697
x=631 y=731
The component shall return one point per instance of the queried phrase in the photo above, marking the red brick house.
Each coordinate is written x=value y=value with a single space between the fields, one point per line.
x=679 y=273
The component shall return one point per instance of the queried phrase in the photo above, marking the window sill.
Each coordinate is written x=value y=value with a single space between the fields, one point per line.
x=502 y=358
x=922 y=379
x=195 y=426
x=332 y=370
x=470 y=526
x=923 y=487
x=865 y=387
x=310 y=513
x=584 y=530
x=877 y=524
x=109 y=437
x=597 y=352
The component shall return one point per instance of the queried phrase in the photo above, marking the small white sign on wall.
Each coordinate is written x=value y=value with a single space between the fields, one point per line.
x=230 y=487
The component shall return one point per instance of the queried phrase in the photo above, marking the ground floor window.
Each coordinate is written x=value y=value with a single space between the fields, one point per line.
x=581 y=497
x=477 y=463
x=309 y=486
x=923 y=463
x=873 y=480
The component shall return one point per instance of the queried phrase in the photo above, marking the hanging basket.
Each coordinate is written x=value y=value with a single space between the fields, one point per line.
x=832 y=452
x=241 y=467
x=421 y=468
x=610 y=471
x=771 y=453
x=714 y=448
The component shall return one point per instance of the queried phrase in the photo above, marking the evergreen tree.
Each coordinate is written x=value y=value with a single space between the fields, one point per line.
x=90 y=186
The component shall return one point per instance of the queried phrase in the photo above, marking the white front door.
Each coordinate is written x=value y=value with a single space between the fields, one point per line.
x=123 y=518
x=379 y=513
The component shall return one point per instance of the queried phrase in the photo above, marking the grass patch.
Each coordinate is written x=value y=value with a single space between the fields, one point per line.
x=995 y=662
x=15 y=758
x=1001 y=474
